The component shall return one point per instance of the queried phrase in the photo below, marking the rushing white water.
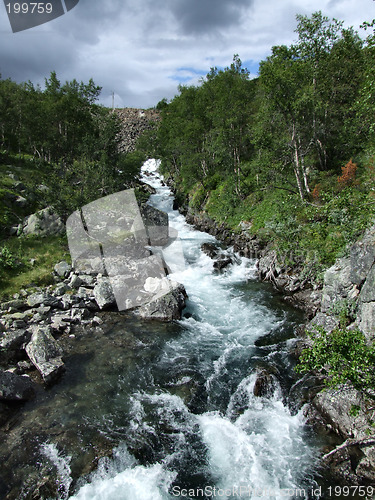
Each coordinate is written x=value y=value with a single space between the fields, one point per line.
x=62 y=465
x=228 y=443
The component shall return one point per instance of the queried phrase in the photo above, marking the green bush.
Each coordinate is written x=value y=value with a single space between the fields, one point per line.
x=7 y=259
x=342 y=356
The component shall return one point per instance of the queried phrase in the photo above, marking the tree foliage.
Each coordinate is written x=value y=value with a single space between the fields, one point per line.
x=342 y=356
x=299 y=117
x=71 y=139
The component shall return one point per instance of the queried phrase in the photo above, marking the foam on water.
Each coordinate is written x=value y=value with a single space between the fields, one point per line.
x=238 y=440
x=62 y=465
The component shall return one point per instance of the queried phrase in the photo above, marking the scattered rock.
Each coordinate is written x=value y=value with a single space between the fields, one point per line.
x=45 y=354
x=17 y=304
x=15 y=387
x=210 y=249
x=103 y=293
x=21 y=202
x=63 y=269
x=12 y=344
x=222 y=262
x=167 y=304
x=75 y=281
x=42 y=298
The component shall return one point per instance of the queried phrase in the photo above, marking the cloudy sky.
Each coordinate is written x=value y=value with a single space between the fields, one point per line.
x=142 y=49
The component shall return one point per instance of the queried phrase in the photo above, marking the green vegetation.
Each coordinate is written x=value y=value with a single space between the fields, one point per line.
x=342 y=356
x=290 y=152
x=28 y=262
x=60 y=149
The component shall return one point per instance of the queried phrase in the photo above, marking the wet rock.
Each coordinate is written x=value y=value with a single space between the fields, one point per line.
x=45 y=354
x=167 y=304
x=103 y=293
x=264 y=384
x=24 y=366
x=210 y=249
x=63 y=269
x=222 y=262
x=15 y=387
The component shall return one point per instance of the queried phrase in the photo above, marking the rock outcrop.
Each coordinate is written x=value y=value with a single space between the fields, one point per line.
x=134 y=123
x=349 y=289
x=43 y=223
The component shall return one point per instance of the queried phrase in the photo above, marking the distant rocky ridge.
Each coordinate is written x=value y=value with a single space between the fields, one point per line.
x=135 y=122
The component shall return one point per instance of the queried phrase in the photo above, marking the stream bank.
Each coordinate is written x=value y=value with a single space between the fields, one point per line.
x=146 y=409
x=349 y=283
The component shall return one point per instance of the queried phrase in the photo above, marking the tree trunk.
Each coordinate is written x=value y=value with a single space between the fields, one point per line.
x=297 y=167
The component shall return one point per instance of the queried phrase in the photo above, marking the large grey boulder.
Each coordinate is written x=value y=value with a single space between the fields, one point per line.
x=362 y=256
x=43 y=223
x=45 y=354
x=338 y=284
x=167 y=303
x=15 y=387
x=335 y=406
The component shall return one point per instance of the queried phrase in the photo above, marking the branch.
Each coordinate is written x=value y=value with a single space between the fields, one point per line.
x=348 y=443
x=278 y=187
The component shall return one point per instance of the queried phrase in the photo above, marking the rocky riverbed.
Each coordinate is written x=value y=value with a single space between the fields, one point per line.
x=349 y=283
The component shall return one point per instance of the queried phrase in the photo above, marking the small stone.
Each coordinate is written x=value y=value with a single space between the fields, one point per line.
x=39 y=298
x=63 y=269
x=18 y=324
x=104 y=294
x=96 y=321
x=61 y=289
x=75 y=281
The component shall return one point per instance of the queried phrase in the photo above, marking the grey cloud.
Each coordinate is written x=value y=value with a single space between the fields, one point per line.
x=205 y=16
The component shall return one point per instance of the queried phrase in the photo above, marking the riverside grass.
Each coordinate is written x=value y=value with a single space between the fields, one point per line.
x=28 y=262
